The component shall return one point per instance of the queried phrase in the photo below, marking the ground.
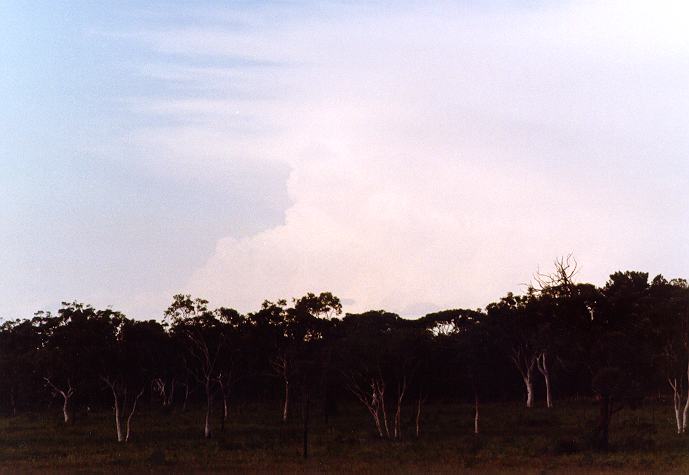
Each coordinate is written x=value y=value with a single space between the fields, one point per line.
x=513 y=439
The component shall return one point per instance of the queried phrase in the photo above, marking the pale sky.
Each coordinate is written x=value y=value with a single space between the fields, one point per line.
x=408 y=155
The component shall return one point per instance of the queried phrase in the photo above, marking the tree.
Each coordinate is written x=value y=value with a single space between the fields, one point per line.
x=228 y=373
x=518 y=323
x=20 y=340
x=383 y=353
x=621 y=356
x=464 y=347
x=132 y=360
x=553 y=290
x=670 y=314
x=296 y=328
x=72 y=356
x=205 y=338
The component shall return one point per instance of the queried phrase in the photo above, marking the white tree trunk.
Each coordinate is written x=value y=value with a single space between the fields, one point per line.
x=285 y=407
x=186 y=397
x=207 y=425
x=684 y=414
x=131 y=414
x=528 y=382
x=686 y=405
x=66 y=397
x=118 y=418
x=476 y=414
x=525 y=360
x=67 y=410
x=677 y=404
x=542 y=364
x=418 y=417
x=549 y=398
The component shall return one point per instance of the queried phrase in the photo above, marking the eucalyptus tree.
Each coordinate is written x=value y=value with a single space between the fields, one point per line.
x=464 y=354
x=293 y=329
x=205 y=339
x=20 y=340
x=518 y=321
x=169 y=373
x=622 y=348
x=381 y=355
x=231 y=362
x=132 y=360
x=72 y=357
x=309 y=324
x=552 y=291
x=268 y=331
x=670 y=315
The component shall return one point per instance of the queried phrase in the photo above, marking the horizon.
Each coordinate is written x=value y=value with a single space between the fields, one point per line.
x=412 y=157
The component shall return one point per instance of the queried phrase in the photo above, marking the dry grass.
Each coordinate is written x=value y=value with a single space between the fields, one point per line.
x=513 y=440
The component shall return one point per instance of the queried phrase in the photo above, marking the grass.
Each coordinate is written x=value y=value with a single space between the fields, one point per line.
x=513 y=439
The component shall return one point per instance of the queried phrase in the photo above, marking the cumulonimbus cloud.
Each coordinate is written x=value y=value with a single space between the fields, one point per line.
x=438 y=154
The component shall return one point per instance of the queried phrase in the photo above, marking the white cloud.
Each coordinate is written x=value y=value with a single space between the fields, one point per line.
x=439 y=153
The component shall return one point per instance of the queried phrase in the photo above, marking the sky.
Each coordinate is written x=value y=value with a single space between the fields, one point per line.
x=408 y=155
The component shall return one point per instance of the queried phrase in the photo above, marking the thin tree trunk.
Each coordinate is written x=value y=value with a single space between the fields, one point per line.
x=66 y=397
x=186 y=397
x=371 y=400
x=549 y=399
x=401 y=389
x=418 y=417
x=207 y=426
x=384 y=412
x=525 y=362
x=680 y=416
x=476 y=413
x=685 y=414
x=67 y=411
x=686 y=405
x=542 y=364
x=131 y=414
x=118 y=420
x=285 y=407
x=528 y=382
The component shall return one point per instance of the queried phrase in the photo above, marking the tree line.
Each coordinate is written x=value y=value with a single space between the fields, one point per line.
x=618 y=344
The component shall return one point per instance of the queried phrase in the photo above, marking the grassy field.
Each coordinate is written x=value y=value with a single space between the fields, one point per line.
x=512 y=440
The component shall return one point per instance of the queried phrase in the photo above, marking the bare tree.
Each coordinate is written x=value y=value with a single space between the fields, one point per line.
x=371 y=392
x=124 y=406
x=542 y=365
x=558 y=284
x=681 y=410
x=281 y=367
x=419 y=404
x=164 y=390
x=562 y=277
x=524 y=358
x=372 y=396
x=225 y=380
x=66 y=394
